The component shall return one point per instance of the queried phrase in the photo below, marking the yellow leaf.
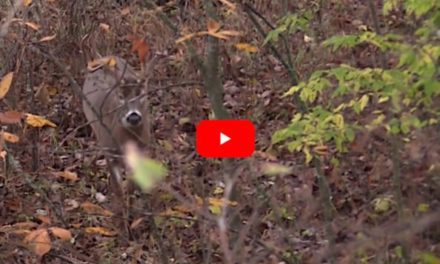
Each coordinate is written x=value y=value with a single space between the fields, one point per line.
x=32 y=25
x=48 y=38
x=221 y=202
x=100 y=231
x=309 y=156
x=68 y=175
x=246 y=47
x=90 y=208
x=39 y=241
x=38 y=121
x=61 y=233
x=11 y=138
x=219 y=190
x=213 y=26
x=98 y=63
x=27 y=2
x=5 y=84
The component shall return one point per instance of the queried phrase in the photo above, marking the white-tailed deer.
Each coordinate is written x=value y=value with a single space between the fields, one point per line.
x=116 y=110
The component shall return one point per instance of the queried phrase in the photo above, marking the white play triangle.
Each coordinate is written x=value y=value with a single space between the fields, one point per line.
x=223 y=138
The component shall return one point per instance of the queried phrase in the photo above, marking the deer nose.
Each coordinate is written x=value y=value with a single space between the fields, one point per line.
x=134 y=119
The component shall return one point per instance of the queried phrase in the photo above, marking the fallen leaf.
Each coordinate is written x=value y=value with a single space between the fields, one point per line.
x=42 y=95
x=5 y=84
x=213 y=26
x=38 y=121
x=125 y=11
x=136 y=222
x=98 y=63
x=27 y=2
x=230 y=5
x=104 y=27
x=44 y=219
x=32 y=25
x=246 y=47
x=25 y=225
x=140 y=46
x=91 y=208
x=48 y=38
x=68 y=175
x=39 y=241
x=100 y=231
x=11 y=117
x=11 y=138
x=61 y=233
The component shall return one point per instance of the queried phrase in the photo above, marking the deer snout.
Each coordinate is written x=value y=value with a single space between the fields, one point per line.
x=132 y=119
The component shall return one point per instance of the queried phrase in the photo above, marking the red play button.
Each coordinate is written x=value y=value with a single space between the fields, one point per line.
x=225 y=138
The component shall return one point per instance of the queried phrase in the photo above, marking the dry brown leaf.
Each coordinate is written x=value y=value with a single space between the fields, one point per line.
x=45 y=219
x=321 y=150
x=42 y=94
x=38 y=121
x=230 y=5
x=48 y=38
x=20 y=225
x=11 y=138
x=183 y=209
x=39 y=241
x=11 y=117
x=61 y=233
x=20 y=232
x=3 y=154
x=27 y=2
x=140 y=46
x=32 y=25
x=5 y=84
x=136 y=222
x=68 y=175
x=105 y=27
x=125 y=11
x=213 y=26
x=100 y=231
x=91 y=208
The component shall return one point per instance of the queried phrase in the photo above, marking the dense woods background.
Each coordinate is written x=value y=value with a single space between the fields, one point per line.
x=344 y=95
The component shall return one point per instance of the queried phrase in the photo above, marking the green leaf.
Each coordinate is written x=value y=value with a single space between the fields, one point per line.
x=145 y=172
x=429 y=258
x=337 y=42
